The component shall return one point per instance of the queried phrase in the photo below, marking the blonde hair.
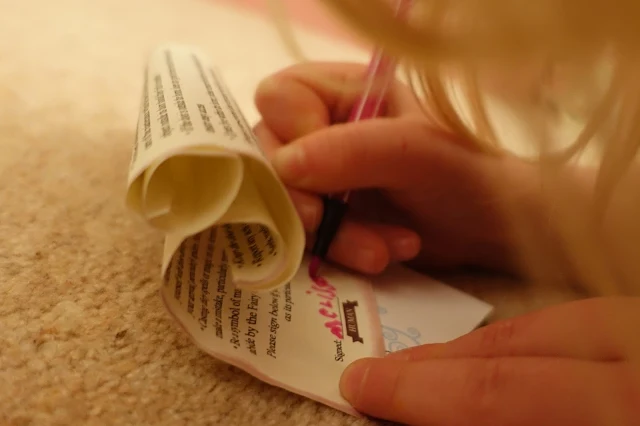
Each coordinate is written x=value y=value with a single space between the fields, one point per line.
x=592 y=45
x=471 y=44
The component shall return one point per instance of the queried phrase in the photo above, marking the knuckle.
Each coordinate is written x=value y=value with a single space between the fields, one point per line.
x=404 y=145
x=347 y=151
x=486 y=385
x=497 y=335
x=409 y=154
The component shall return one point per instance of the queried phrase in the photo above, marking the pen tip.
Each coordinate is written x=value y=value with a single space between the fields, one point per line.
x=314 y=266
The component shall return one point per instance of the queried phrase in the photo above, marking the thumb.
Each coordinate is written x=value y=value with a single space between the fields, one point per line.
x=390 y=153
x=527 y=391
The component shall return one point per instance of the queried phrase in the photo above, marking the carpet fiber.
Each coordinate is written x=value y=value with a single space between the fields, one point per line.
x=84 y=338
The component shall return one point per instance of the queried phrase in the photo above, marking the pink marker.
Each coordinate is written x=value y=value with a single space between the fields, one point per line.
x=380 y=72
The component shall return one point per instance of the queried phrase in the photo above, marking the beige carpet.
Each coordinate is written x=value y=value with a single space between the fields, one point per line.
x=84 y=338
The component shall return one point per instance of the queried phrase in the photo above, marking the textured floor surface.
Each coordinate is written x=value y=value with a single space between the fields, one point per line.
x=84 y=338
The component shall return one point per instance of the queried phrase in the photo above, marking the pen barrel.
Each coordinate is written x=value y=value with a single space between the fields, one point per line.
x=334 y=211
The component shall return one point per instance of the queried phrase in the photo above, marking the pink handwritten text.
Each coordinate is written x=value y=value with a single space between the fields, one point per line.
x=327 y=295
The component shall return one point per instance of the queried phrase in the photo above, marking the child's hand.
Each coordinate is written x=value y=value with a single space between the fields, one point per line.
x=422 y=195
x=574 y=364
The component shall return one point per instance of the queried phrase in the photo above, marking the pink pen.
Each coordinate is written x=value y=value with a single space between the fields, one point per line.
x=379 y=74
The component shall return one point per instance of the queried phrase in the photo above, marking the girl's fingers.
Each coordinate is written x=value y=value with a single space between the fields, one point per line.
x=592 y=329
x=364 y=247
x=403 y=244
x=368 y=248
x=390 y=153
x=497 y=391
x=308 y=97
x=357 y=247
x=309 y=206
x=304 y=98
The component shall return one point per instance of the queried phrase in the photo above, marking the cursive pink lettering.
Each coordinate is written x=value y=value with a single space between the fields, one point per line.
x=335 y=327
x=327 y=294
x=327 y=314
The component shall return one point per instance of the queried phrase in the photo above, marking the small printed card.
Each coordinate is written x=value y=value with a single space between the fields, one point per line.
x=416 y=310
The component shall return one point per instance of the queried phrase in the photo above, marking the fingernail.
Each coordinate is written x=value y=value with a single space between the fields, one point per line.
x=353 y=379
x=405 y=248
x=289 y=162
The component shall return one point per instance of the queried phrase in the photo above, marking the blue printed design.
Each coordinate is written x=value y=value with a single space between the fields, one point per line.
x=396 y=339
